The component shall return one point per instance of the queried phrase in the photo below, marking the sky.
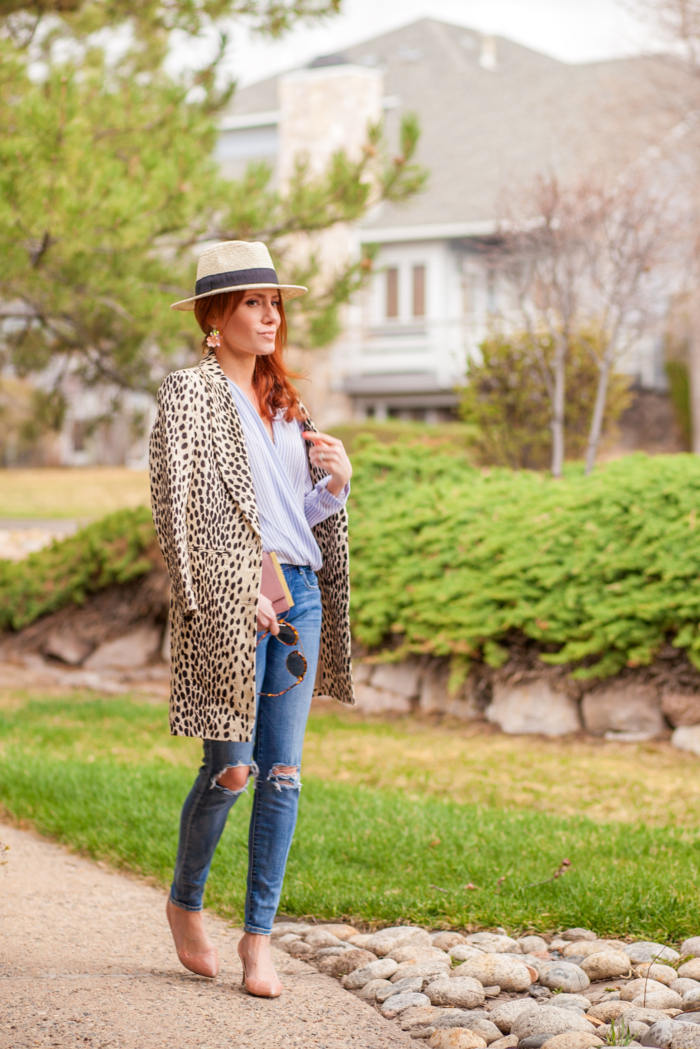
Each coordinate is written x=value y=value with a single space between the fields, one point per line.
x=571 y=30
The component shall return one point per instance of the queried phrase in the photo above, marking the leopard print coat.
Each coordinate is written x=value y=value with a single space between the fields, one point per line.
x=208 y=529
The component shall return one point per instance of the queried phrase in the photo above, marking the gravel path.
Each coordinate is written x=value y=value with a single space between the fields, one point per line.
x=86 y=960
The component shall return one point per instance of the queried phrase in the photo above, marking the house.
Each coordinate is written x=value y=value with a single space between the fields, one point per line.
x=493 y=115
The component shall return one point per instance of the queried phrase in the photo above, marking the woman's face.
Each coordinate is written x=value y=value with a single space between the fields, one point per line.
x=252 y=327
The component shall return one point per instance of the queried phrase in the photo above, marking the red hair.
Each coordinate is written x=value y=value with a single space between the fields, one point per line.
x=271 y=378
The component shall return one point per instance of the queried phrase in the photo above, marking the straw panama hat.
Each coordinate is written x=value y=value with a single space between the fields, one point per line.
x=236 y=265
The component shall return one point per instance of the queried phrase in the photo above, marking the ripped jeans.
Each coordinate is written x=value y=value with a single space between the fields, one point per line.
x=278 y=740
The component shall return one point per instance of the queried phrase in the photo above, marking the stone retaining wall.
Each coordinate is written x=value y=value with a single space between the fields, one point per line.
x=618 y=710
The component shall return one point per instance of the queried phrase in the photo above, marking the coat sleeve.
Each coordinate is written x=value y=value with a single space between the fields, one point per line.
x=171 y=465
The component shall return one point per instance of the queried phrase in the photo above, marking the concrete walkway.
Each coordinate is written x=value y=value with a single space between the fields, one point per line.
x=86 y=960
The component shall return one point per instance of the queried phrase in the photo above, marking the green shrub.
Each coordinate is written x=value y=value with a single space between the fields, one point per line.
x=679 y=391
x=115 y=549
x=600 y=571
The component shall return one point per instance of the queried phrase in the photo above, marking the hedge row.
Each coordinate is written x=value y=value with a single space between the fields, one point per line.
x=452 y=561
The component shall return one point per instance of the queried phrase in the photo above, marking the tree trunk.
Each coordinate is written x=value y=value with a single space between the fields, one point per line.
x=596 y=430
x=558 y=408
x=694 y=372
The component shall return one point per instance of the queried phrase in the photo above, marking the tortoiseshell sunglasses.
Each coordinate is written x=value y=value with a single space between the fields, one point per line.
x=295 y=661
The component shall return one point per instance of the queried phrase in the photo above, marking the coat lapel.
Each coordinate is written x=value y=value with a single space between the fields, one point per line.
x=229 y=441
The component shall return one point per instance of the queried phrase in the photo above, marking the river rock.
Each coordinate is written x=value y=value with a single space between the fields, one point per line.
x=607 y=1011
x=370 y=990
x=660 y=1034
x=382 y=969
x=681 y=708
x=133 y=649
x=490 y=969
x=321 y=938
x=419 y=1016
x=456 y=1038
x=606 y=965
x=636 y=987
x=282 y=928
x=570 y=1001
x=578 y=934
x=508 y=1041
x=622 y=1025
x=665 y=999
x=690 y=999
x=544 y=1019
x=414 y=985
x=445 y=940
x=287 y=938
x=648 y=951
x=572 y=1040
x=398 y=1002
x=299 y=949
x=691 y=946
x=654 y=971
x=493 y=943
x=332 y=952
x=531 y=944
x=505 y=1013
x=583 y=948
x=465 y=993
x=462 y=951
x=535 y=1041
x=400 y=936
x=349 y=961
x=645 y=1016
x=339 y=929
x=563 y=976
x=434 y=968
x=416 y=954
x=681 y=985
x=65 y=645
x=690 y=970
x=686 y=1036
x=533 y=707
x=488 y=1030
x=691 y=1017
x=622 y=708
x=359 y=941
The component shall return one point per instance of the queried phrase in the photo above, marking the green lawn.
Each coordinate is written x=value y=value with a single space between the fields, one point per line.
x=106 y=778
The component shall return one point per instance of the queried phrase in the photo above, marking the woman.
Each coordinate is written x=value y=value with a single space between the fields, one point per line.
x=238 y=468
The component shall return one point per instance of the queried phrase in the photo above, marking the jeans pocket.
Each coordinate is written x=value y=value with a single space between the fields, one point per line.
x=310 y=580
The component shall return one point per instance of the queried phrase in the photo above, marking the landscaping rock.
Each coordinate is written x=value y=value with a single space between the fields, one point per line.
x=534 y=1041
x=620 y=1027
x=504 y=1014
x=318 y=938
x=446 y=940
x=130 y=650
x=398 y=1002
x=510 y=975
x=382 y=969
x=654 y=971
x=663 y=999
x=457 y=1038
x=690 y=999
x=332 y=952
x=607 y=1011
x=686 y=1036
x=370 y=990
x=342 y=931
x=509 y=1041
x=462 y=951
x=63 y=644
x=377 y=700
x=648 y=951
x=681 y=708
x=492 y=943
x=488 y=1031
x=459 y=1018
x=419 y=1015
x=544 y=1019
x=411 y=986
x=572 y=1040
x=687 y=738
x=681 y=985
x=289 y=937
x=691 y=946
x=402 y=678
x=659 y=1034
x=606 y=965
x=299 y=949
x=572 y=935
x=622 y=708
x=416 y=954
x=570 y=1001
x=464 y=993
x=563 y=976
x=434 y=968
x=360 y=941
x=436 y=696
x=348 y=962
x=282 y=928
x=534 y=707
x=539 y=992
x=646 y=1016
x=583 y=948
x=636 y=987
x=400 y=936
x=690 y=970
x=531 y=944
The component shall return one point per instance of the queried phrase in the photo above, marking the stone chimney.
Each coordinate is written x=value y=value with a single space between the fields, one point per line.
x=324 y=108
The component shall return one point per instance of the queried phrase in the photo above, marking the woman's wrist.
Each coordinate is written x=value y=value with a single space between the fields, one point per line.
x=336 y=486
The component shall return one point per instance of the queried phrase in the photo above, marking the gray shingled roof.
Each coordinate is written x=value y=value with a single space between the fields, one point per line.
x=482 y=129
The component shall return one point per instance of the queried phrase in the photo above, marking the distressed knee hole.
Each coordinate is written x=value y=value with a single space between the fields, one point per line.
x=284 y=777
x=234 y=778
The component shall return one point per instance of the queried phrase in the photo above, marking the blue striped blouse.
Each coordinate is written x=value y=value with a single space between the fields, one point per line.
x=288 y=504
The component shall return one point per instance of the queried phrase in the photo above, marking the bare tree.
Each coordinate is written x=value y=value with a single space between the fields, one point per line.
x=587 y=257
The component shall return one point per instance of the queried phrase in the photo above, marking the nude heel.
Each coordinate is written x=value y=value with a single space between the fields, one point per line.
x=259 y=988
x=205 y=964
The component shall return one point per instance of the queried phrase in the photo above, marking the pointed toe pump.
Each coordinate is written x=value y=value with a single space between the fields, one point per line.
x=202 y=963
x=260 y=988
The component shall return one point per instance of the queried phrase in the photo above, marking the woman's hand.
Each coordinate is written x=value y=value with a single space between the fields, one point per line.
x=267 y=617
x=328 y=453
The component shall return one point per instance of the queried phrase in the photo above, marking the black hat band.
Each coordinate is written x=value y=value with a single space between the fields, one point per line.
x=234 y=279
